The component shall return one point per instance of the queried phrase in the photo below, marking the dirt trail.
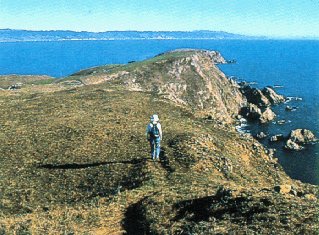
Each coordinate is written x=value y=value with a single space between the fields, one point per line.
x=128 y=219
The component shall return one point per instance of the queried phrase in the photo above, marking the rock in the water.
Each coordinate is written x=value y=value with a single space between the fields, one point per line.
x=302 y=136
x=271 y=152
x=255 y=96
x=281 y=122
x=275 y=138
x=290 y=145
x=298 y=137
x=283 y=189
x=261 y=135
x=267 y=115
x=290 y=108
x=272 y=96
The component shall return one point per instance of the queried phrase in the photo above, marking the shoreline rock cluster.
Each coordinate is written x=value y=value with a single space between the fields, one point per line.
x=298 y=138
x=259 y=102
x=258 y=108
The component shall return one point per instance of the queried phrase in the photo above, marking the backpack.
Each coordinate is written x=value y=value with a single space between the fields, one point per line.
x=154 y=133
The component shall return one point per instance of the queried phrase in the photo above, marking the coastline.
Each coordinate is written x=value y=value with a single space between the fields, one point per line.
x=245 y=69
x=73 y=135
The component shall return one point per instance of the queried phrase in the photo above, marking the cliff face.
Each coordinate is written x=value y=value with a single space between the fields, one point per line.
x=74 y=158
x=187 y=77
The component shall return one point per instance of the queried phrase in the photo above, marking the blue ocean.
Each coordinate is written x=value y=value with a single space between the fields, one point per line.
x=290 y=65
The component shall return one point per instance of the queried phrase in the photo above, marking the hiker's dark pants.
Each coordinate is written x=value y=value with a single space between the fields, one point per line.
x=155 y=147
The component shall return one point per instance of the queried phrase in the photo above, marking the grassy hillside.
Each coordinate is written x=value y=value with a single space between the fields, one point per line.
x=24 y=80
x=74 y=160
x=187 y=77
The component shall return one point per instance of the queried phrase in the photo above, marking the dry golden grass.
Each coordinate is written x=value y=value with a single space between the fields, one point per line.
x=74 y=160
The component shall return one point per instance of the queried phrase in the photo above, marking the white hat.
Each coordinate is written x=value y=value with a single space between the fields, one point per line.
x=154 y=118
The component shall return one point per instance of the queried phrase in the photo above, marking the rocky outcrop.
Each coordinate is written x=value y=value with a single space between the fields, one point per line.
x=267 y=115
x=302 y=136
x=281 y=122
x=290 y=145
x=272 y=96
x=259 y=102
x=299 y=137
x=271 y=152
x=255 y=96
x=290 y=108
x=251 y=112
x=276 y=138
x=261 y=98
x=261 y=135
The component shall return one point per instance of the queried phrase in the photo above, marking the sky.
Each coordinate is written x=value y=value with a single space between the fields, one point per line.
x=278 y=18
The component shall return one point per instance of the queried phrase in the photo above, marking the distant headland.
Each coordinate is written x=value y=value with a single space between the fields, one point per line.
x=13 y=35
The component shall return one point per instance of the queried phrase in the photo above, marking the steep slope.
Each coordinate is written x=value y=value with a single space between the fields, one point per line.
x=187 y=77
x=75 y=160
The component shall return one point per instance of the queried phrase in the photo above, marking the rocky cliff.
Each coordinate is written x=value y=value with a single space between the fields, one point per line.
x=74 y=158
x=187 y=77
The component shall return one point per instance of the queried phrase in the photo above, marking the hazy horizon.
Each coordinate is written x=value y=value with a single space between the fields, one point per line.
x=269 y=18
x=190 y=31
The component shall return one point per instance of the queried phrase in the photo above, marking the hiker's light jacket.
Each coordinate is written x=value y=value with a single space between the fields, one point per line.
x=149 y=129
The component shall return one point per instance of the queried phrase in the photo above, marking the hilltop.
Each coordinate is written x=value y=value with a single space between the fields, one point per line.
x=75 y=158
x=186 y=77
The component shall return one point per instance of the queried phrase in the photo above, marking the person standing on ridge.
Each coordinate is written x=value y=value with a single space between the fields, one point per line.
x=154 y=136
